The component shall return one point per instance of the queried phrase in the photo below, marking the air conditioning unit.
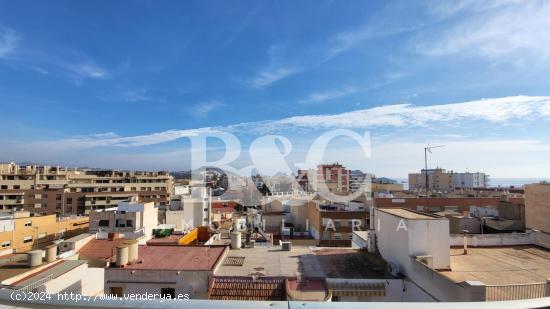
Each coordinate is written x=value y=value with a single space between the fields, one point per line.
x=393 y=269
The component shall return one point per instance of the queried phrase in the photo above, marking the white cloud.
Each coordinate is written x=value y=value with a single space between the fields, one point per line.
x=8 y=41
x=492 y=29
x=498 y=110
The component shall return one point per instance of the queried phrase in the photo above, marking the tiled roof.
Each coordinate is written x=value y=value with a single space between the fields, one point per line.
x=247 y=288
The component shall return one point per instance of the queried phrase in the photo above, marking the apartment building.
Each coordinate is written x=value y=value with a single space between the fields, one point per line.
x=22 y=231
x=55 y=190
x=130 y=220
x=441 y=180
x=332 y=224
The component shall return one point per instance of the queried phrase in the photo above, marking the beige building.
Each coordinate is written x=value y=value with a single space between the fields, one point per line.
x=22 y=231
x=48 y=190
x=537 y=207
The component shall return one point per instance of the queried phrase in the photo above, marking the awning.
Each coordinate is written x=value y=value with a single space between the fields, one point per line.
x=357 y=289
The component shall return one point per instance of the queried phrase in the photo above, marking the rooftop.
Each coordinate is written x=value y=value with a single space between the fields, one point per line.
x=500 y=265
x=101 y=249
x=408 y=214
x=272 y=262
x=177 y=257
x=351 y=264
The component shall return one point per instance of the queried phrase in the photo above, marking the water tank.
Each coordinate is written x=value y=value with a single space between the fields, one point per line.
x=34 y=258
x=121 y=255
x=236 y=240
x=51 y=253
x=132 y=250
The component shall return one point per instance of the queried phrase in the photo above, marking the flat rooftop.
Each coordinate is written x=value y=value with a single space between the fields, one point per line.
x=101 y=249
x=408 y=214
x=176 y=258
x=271 y=261
x=55 y=270
x=500 y=265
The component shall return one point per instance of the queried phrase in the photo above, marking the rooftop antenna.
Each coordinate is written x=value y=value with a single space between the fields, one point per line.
x=427 y=149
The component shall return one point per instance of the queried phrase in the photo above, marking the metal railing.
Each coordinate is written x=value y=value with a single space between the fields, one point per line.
x=517 y=291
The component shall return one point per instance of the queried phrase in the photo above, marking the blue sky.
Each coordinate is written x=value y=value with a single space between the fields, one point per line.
x=117 y=84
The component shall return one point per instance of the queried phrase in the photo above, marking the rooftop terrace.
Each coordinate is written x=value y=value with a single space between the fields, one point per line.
x=500 y=265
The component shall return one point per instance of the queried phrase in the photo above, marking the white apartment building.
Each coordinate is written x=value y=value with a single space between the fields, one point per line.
x=130 y=220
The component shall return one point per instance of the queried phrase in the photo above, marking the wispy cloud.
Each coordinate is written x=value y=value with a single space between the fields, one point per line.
x=492 y=29
x=8 y=41
x=336 y=93
x=88 y=70
x=497 y=110
x=204 y=108
x=269 y=76
x=322 y=96
x=128 y=95
x=285 y=61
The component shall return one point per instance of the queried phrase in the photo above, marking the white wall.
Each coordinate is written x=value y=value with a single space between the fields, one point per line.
x=487 y=240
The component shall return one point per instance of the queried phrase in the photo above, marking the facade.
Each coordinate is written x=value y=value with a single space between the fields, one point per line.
x=537 y=207
x=22 y=231
x=441 y=180
x=438 y=179
x=358 y=179
x=470 y=180
x=63 y=191
x=131 y=220
x=332 y=224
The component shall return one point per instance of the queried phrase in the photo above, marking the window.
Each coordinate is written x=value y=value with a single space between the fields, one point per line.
x=337 y=236
x=28 y=224
x=6 y=244
x=129 y=223
x=168 y=292
x=103 y=223
x=16 y=187
x=27 y=239
x=116 y=291
x=4 y=187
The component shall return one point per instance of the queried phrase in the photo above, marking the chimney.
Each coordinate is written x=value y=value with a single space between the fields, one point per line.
x=51 y=253
x=132 y=250
x=34 y=258
x=121 y=255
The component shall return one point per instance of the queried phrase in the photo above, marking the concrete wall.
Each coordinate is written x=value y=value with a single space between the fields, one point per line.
x=398 y=239
x=194 y=283
x=489 y=240
x=537 y=207
x=397 y=290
